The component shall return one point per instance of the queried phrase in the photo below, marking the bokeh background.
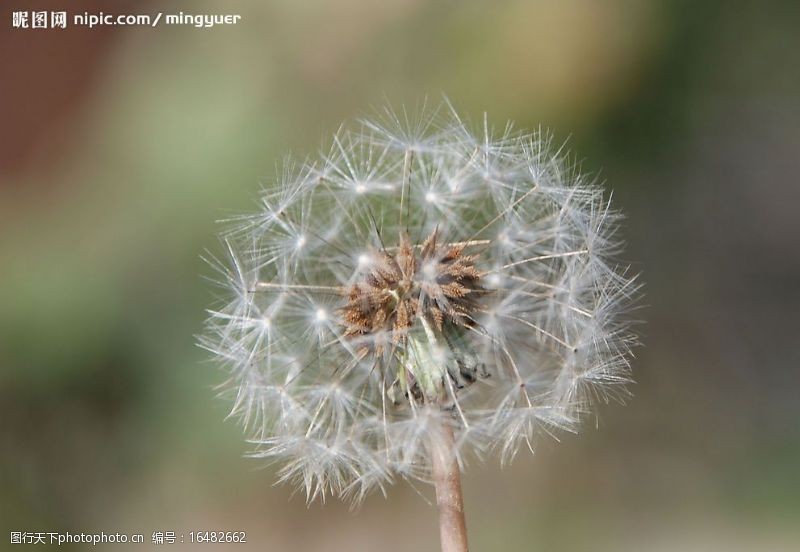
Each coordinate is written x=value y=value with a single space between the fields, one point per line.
x=119 y=147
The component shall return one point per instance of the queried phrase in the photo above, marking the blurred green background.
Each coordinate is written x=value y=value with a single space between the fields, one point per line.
x=119 y=147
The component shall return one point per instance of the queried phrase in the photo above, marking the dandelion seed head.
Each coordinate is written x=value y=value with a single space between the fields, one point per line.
x=419 y=277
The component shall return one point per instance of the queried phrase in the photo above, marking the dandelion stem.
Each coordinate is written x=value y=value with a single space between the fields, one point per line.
x=449 y=499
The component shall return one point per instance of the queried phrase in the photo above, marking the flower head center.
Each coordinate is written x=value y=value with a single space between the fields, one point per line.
x=431 y=282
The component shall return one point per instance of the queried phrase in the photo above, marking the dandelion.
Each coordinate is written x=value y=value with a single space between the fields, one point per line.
x=421 y=294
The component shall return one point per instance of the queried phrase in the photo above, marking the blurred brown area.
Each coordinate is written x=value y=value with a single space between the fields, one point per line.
x=48 y=78
x=119 y=147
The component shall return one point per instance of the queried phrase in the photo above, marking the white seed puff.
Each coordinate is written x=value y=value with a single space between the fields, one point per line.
x=419 y=277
